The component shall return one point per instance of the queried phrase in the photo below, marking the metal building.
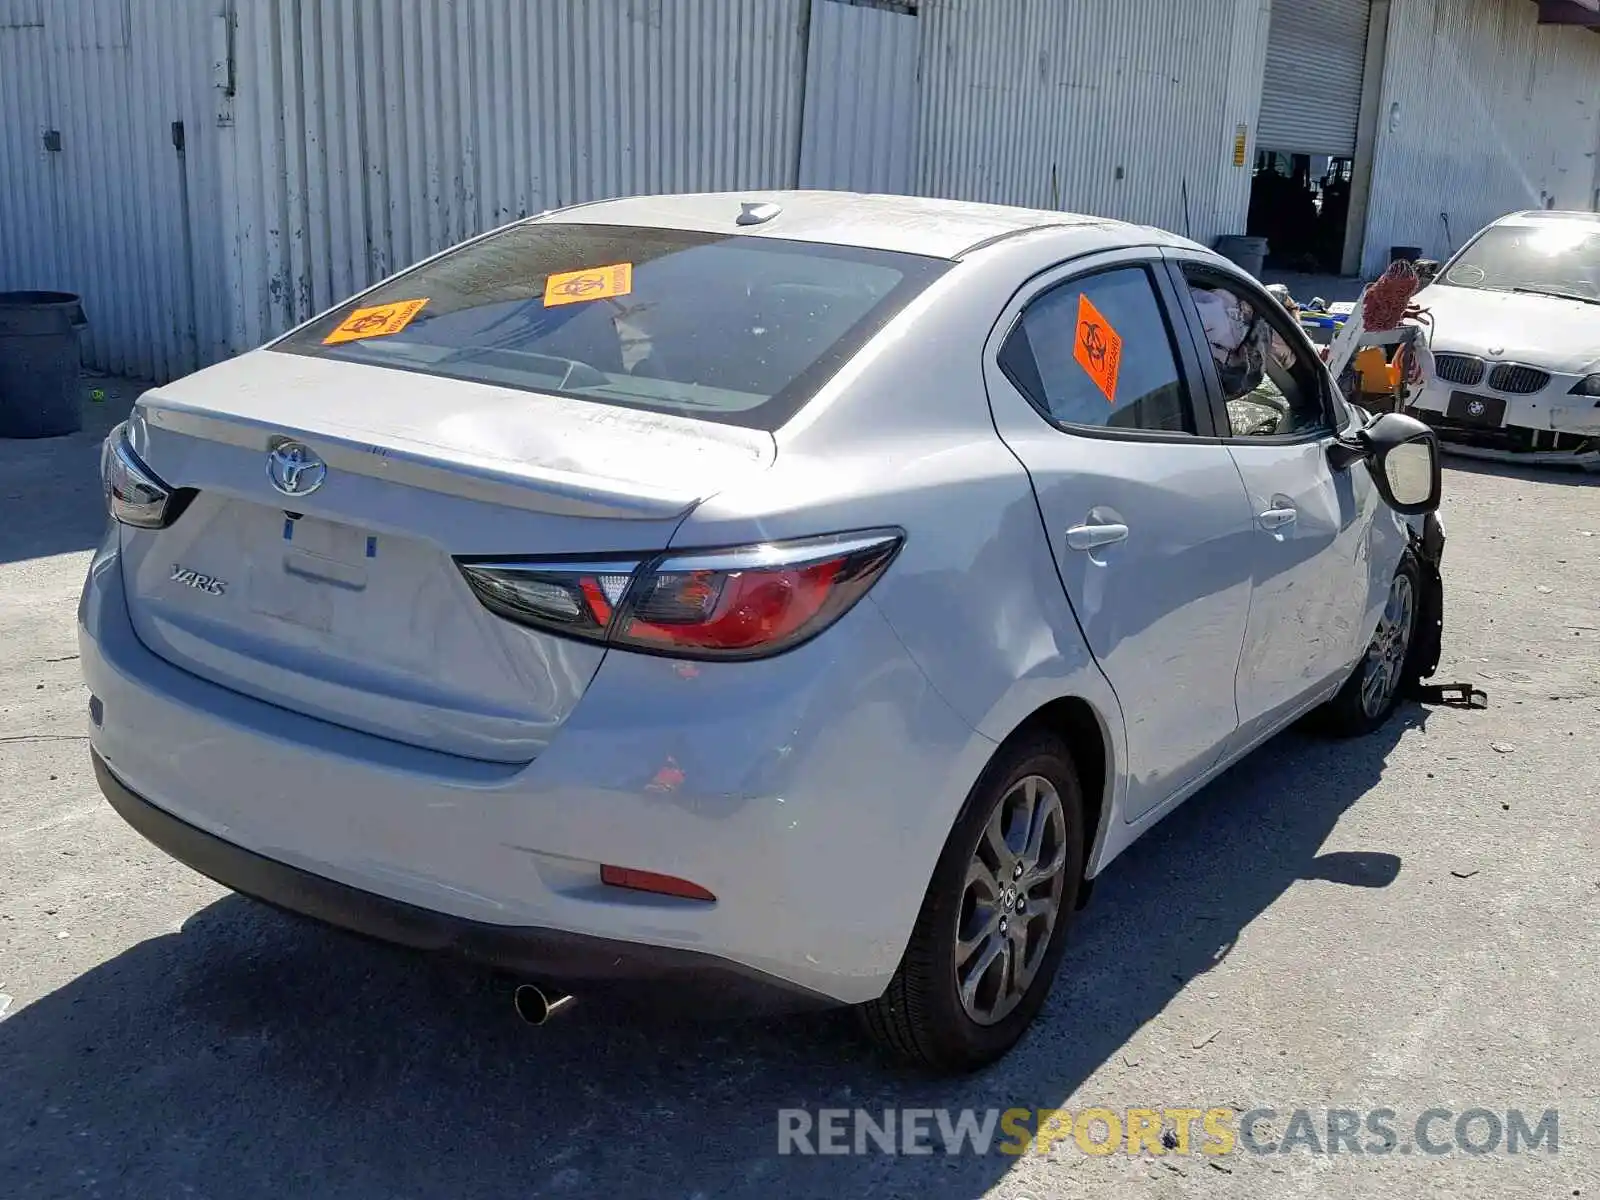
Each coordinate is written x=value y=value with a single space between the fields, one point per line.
x=209 y=172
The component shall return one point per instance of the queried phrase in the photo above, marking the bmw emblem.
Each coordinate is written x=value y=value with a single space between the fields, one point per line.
x=295 y=469
x=1477 y=407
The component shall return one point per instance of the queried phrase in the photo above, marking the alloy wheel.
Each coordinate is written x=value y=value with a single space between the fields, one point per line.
x=1386 y=657
x=1011 y=900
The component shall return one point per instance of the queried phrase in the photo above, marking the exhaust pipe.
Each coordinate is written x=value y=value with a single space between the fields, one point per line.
x=535 y=1005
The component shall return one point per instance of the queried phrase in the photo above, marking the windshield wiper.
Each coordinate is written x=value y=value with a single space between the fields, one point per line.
x=1532 y=291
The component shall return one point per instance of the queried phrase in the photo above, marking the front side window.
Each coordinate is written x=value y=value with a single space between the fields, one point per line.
x=1556 y=258
x=1096 y=352
x=1271 y=388
x=737 y=329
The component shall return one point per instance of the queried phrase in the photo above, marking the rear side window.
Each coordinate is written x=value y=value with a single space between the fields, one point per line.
x=737 y=329
x=1096 y=352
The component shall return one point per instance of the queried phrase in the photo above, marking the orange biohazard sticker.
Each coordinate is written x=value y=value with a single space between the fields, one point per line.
x=596 y=283
x=378 y=321
x=1098 y=349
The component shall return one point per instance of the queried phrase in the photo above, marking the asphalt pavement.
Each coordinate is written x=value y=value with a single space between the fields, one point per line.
x=1405 y=923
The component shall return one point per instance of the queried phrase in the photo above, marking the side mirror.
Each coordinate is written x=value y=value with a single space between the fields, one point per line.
x=1403 y=455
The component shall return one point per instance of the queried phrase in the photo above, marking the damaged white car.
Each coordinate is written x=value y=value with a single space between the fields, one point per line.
x=1516 y=342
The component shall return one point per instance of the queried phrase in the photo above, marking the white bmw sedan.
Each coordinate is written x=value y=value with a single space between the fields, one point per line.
x=1516 y=341
x=798 y=597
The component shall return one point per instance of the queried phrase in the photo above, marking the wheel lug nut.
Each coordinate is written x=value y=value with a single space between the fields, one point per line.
x=1002 y=924
x=1021 y=904
x=1016 y=871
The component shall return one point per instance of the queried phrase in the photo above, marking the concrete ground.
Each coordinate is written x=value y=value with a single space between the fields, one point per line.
x=1405 y=922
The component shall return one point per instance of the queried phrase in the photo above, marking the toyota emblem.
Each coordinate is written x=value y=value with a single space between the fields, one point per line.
x=295 y=469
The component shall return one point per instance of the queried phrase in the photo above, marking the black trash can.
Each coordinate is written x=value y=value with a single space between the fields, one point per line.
x=1408 y=254
x=40 y=391
x=1247 y=252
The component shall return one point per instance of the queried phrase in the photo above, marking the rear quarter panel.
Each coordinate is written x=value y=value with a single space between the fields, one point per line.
x=903 y=437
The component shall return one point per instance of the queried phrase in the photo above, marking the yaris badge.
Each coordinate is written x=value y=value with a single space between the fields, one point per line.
x=295 y=469
x=189 y=577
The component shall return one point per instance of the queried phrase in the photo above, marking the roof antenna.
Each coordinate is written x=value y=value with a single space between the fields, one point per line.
x=757 y=212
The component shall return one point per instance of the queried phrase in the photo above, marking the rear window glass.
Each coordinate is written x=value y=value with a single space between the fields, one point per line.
x=736 y=329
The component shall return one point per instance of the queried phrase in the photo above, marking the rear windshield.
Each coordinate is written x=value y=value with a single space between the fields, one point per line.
x=736 y=329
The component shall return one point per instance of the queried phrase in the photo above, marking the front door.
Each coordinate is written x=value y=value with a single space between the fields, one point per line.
x=1309 y=547
x=1146 y=516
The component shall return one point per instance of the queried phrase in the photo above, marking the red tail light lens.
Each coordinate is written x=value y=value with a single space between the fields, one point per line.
x=746 y=603
x=729 y=612
x=751 y=602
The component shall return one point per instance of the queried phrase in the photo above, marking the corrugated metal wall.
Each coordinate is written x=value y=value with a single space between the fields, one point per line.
x=27 y=206
x=371 y=133
x=861 y=99
x=330 y=142
x=1107 y=106
x=1483 y=112
x=102 y=215
x=364 y=134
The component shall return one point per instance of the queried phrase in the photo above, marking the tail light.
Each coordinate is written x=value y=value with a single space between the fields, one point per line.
x=134 y=494
x=750 y=602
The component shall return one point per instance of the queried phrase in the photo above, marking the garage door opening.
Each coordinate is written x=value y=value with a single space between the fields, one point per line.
x=1301 y=204
x=1308 y=132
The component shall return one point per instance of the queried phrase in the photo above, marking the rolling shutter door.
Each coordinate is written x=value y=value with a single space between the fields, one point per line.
x=1311 y=96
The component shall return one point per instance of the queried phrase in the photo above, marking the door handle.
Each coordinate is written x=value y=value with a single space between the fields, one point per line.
x=1276 y=518
x=1092 y=537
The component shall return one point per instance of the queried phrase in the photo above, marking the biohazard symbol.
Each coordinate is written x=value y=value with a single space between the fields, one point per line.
x=595 y=283
x=377 y=321
x=581 y=286
x=374 y=320
x=1098 y=348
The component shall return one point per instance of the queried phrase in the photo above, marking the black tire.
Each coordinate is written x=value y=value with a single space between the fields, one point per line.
x=1348 y=714
x=920 y=1018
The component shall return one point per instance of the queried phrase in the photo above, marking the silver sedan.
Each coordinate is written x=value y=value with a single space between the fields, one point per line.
x=794 y=597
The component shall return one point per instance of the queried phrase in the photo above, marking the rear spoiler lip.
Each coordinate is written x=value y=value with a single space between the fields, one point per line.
x=427 y=466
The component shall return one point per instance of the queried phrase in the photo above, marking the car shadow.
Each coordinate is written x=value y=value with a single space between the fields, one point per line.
x=50 y=500
x=255 y=1055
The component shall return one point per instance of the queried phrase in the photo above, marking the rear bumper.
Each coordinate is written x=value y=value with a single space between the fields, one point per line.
x=810 y=793
x=572 y=961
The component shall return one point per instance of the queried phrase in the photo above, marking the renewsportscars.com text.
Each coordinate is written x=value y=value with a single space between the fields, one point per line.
x=1176 y=1131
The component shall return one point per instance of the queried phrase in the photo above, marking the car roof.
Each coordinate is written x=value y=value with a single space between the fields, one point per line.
x=908 y=224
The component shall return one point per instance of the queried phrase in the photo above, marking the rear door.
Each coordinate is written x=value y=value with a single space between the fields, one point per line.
x=1142 y=504
x=1309 y=548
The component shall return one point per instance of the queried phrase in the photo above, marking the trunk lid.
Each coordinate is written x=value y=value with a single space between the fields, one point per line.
x=345 y=603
